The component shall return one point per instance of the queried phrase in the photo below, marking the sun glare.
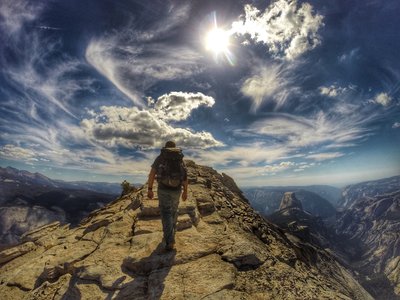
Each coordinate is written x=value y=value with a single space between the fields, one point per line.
x=217 y=40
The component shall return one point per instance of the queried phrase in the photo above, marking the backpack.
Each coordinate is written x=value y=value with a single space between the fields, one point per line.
x=171 y=169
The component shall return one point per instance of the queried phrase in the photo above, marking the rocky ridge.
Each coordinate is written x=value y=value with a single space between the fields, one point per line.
x=116 y=253
x=373 y=188
x=373 y=222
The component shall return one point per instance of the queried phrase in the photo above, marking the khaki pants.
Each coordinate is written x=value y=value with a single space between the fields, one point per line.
x=168 y=203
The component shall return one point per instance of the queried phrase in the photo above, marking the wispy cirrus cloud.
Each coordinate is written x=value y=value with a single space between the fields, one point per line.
x=325 y=155
x=269 y=83
x=134 y=60
x=13 y=152
x=15 y=13
x=322 y=131
x=285 y=27
x=261 y=154
x=55 y=83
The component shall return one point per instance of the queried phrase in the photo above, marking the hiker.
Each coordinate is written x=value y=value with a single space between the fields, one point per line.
x=171 y=177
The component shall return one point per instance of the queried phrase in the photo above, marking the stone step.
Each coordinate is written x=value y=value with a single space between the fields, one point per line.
x=154 y=225
x=150 y=209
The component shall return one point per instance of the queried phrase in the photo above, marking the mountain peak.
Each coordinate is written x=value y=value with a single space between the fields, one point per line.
x=289 y=200
x=116 y=253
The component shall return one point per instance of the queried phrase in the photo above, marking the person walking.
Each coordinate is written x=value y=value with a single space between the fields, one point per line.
x=171 y=174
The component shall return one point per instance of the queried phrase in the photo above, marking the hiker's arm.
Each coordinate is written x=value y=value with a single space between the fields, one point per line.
x=150 y=182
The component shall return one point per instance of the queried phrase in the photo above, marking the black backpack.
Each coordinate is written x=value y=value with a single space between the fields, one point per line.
x=171 y=169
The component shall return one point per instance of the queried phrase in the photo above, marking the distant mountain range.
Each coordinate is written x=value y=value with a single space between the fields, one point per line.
x=364 y=234
x=314 y=199
x=13 y=180
x=29 y=200
x=368 y=189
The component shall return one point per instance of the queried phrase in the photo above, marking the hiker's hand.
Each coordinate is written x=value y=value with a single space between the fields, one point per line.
x=184 y=195
x=150 y=194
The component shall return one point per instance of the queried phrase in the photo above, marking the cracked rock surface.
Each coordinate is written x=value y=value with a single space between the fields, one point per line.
x=224 y=250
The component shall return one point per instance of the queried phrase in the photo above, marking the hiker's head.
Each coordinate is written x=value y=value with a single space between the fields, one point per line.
x=170 y=144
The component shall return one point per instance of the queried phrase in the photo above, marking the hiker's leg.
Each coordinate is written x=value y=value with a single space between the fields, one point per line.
x=166 y=210
x=175 y=203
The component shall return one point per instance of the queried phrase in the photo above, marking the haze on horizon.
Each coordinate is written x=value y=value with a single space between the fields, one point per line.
x=269 y=92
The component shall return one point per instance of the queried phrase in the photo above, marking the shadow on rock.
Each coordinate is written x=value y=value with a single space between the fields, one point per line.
x=149 y=274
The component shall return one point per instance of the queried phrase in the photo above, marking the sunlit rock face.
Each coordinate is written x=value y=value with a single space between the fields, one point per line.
x=268 y=199
x=294 y=219
x=225 y=250
x=373 y=222
x=289 y=200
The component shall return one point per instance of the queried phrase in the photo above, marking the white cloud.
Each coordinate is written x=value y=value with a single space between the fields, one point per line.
x=177 y=106
x=325 y=156
x=140 y=66
x=298 y=133
x=15 y=13
x=348 y=57
x=288 y=29
x=383 y=99
x=133 y=127
x=134 y=60
x=268 y=83
x=279 y=167
x=332 y=91
x=50 y=86
x=17 y=153
x=396 y=125
x=242 y=155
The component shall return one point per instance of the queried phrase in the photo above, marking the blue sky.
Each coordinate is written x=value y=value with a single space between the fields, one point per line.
x=300 y=92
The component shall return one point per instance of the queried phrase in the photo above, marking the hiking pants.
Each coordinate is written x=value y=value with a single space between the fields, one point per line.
x=168 y=202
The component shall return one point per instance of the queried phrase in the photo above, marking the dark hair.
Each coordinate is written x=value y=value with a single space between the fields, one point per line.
x=170 y=144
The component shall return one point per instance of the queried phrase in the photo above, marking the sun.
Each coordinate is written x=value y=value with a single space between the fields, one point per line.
x=217 y=41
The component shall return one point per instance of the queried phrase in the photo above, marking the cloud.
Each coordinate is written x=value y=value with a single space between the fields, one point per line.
x=396 y=125
x=325 y=156
x=279 y=167
x=348 y=57
x=15 y=13
x=383 y=99
x=268 y=83
x=13 y=152
x=177 y=106
x=286 y=28
x=261 y=153
x=332 y=91
x=297 y=133
x=42 y=79
x=134 y=60
x=134 y=127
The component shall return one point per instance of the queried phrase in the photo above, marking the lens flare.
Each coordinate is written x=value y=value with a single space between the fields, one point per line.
x=217 y=41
